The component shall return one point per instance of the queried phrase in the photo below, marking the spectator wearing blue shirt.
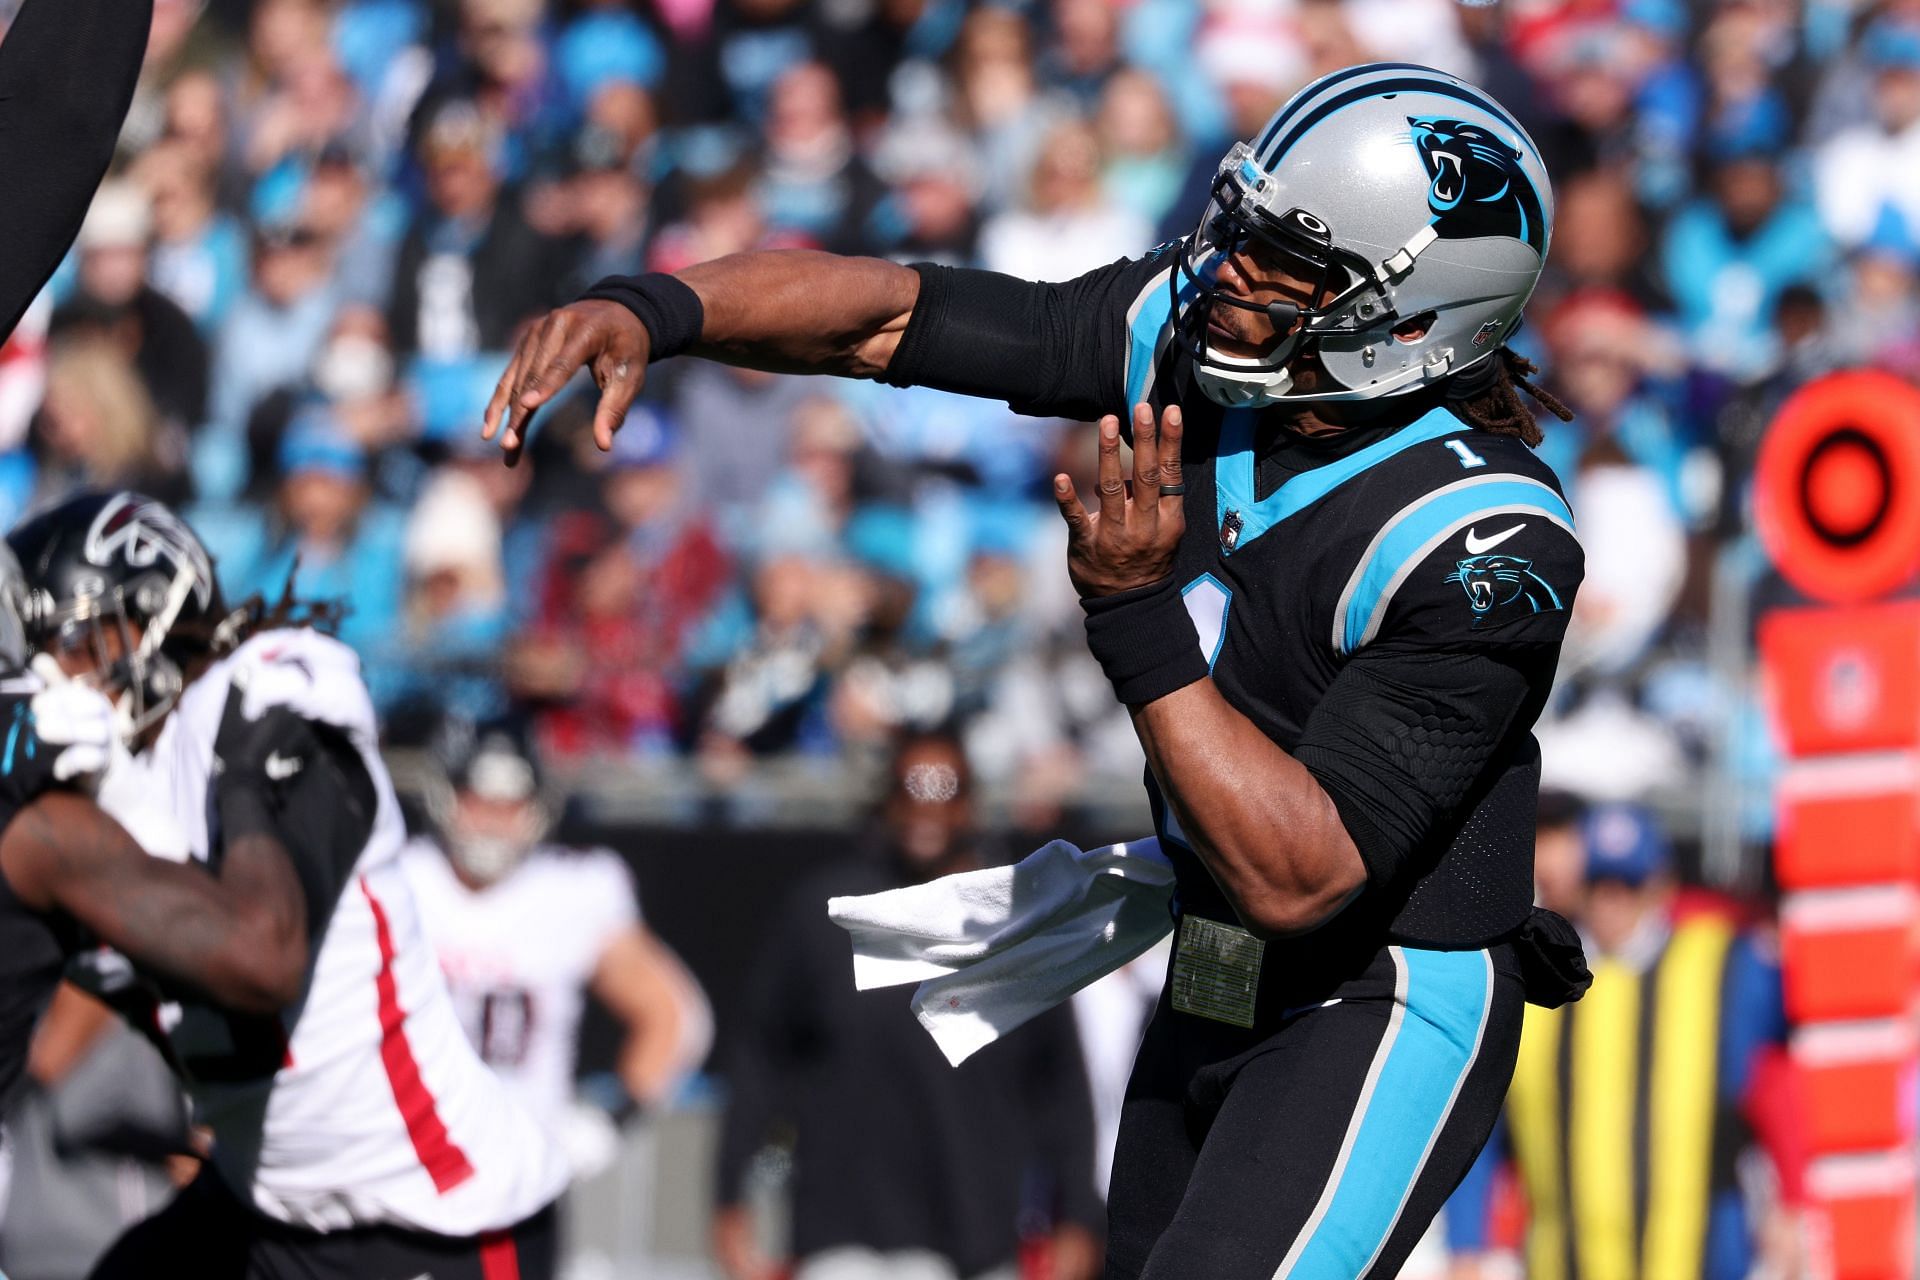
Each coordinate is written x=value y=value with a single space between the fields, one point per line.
x=199 y=254
x=1728 y=254
x=268 y=344
x=326 y=527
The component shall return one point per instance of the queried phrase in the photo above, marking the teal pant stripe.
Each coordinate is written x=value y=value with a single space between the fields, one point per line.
x=1447 y=999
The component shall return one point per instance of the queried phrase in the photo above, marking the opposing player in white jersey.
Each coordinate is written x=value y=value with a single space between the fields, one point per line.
x=525 y=928
x=356 y=1134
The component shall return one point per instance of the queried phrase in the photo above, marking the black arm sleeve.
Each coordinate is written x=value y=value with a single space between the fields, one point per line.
x=67 y=73
x=1403 y=735
x=1049 y=350
x=303 y=783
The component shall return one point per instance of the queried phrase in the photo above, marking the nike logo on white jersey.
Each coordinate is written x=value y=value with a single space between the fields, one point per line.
x=1478 y=546
x=279 y=768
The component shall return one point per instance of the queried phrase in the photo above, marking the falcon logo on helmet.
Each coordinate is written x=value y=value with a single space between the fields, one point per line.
x=120 y=589
x=1390 y=193
x=141 y=532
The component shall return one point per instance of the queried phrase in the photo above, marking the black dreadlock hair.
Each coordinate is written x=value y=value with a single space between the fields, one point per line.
x=1492 y=403
x=214 y=640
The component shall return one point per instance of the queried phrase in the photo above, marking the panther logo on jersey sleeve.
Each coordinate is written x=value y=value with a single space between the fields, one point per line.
x=1478 y=187
x=1501 y=588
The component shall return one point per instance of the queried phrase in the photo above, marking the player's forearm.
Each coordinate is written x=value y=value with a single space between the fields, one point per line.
x=230 y=938
x=67 y=74
x=799 y=311
x=1253 y=814
x=649 y=1059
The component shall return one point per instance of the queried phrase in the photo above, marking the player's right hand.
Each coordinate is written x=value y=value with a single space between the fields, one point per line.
x=601 y=336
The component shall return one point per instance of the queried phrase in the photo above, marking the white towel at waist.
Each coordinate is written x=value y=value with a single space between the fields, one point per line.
x=993 y=948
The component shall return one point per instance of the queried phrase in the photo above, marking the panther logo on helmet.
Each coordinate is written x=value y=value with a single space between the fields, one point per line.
x=141 y=533
x=1478 y=188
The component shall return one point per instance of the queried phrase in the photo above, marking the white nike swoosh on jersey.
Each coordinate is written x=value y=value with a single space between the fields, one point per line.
x=1478 y=546
x=279 y=768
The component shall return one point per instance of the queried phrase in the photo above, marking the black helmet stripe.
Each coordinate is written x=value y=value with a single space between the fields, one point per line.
x=1325 y=84
x=1443 y=88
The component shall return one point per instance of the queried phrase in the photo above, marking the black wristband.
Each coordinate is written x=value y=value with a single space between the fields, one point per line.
x=666 y=305
x=1145 y=640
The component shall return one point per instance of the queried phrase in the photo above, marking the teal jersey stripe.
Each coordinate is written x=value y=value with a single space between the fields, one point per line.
x=1436 y=1034
x=1233 y=470
x=1412 y=535
x=1147 y=330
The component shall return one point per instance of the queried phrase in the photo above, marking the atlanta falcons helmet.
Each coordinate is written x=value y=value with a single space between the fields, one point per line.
x=1404 y=192
x=486 y=795
x=119 y=581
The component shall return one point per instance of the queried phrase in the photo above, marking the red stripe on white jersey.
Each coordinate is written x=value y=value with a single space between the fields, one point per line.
x=499 y=1256
x=445 y=1163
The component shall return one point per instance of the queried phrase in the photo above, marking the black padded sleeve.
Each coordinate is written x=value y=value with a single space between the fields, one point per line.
x=1048 y=350
x=1403 y=735
x=304 y=783
x=67 y=72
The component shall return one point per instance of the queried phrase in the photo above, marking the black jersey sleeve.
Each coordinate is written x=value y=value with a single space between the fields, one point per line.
x=67 y=73
x=1505 y=576
x=1453 y=621
x=1404 y=736
x=1067 y=350
x=302 y=781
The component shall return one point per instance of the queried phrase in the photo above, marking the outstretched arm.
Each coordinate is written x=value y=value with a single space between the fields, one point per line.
x=789 y=311
x=67 y=73
x=1049 y=349
x=241 y=937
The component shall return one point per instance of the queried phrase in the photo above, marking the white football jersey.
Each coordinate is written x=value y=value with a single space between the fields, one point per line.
x=380 y=1111
x=519 y=955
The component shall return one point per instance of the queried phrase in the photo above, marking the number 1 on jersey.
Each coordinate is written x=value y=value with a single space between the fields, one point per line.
x=1468 y=458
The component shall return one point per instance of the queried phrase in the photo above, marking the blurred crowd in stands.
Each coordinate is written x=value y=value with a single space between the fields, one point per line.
x=290 y=303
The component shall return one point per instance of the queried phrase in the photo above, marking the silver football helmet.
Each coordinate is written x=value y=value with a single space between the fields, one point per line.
x=1403 y=191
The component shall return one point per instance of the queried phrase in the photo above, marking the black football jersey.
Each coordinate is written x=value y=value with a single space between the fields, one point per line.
x=1387 y=604
x=34 y=946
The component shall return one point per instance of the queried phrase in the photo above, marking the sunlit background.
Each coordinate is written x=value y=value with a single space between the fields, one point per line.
x=330 y=218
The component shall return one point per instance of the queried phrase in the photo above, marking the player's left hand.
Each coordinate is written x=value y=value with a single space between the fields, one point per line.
x=1131 y=539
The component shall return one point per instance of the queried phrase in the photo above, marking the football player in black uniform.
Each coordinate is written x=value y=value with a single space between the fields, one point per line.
x=1332 y=595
